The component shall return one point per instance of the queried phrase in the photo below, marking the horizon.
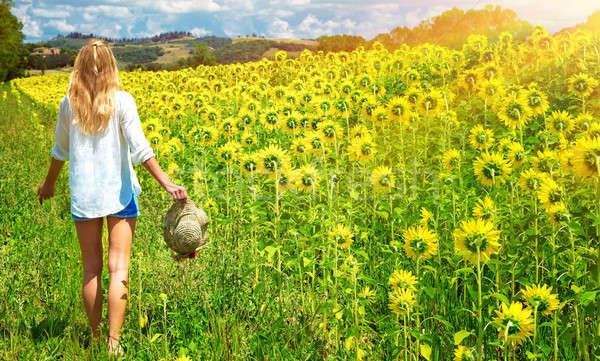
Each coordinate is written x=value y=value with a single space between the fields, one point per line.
x=301 y=19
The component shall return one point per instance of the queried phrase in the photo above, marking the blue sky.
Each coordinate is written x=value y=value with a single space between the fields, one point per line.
x=44 y=19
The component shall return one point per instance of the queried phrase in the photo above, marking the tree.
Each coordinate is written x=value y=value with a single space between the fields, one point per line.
x=453 y=27
x=12 y=51
x=203 y=55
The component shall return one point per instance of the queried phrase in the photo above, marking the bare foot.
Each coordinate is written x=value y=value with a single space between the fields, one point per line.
x=114 y=348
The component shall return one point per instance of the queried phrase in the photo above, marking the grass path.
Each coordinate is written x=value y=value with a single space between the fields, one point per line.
x=210 y=311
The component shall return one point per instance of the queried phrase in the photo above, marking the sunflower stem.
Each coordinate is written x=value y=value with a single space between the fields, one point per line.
x=479 y=309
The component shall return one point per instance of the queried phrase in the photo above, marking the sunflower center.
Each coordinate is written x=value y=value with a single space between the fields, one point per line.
x=250 y=165
x=385 y=181
x=307 y=180
x=292 y=123
x=481 y=138
x=555 y=196
x=329 y=132
x=491 y=170
x=512 y=325
x=271 y=162
x=418 y=245
x=476 y=240
x=560 y=124
x=591 y=158
x=535 y=100
x=514 y=111
x=271 y=118
x=532 y=183
x=366 y=149
x=580 y=85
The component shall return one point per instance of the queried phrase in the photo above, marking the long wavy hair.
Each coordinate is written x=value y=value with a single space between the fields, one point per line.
x=93 y=85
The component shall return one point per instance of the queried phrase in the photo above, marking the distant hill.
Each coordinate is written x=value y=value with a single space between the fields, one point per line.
x=163 y=51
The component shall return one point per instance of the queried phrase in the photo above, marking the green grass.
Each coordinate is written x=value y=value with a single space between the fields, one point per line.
x=211 y=313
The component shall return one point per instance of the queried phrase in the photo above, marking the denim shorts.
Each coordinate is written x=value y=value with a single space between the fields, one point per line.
x=132 y=210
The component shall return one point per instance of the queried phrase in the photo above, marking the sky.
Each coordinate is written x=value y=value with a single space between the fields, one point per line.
x=305 y=19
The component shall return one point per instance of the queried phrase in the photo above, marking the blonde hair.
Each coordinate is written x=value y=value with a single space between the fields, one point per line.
x=93 y=85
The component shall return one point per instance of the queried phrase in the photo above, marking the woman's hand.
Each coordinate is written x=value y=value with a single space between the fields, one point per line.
x=45 y=190
x=177 y=192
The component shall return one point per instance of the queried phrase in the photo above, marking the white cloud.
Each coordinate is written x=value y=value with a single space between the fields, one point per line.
x=61 y=25
x=183 y=6
x=280 y=29
x=50 y=13
x=31 y=27
x=199 y=32
x=119 y=12
x=312 y=27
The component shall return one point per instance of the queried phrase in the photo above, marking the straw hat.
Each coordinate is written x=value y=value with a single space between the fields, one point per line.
x=185 y=228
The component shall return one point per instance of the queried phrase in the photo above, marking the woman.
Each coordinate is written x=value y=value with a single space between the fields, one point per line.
x=98 y=129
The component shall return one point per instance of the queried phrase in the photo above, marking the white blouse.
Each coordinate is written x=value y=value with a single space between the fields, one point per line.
x=101 y=177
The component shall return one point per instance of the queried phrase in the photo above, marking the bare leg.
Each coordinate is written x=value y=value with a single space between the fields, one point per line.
x=89 y=234
x=120 y=235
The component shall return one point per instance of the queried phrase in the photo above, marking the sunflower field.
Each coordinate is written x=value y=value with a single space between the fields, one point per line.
x=416 y=204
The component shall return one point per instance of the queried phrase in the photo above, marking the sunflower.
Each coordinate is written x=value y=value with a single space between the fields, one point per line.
x=291 y=122
x=332 y=132
x=516 y=154
x=476 y=234
x=431 y=103
x=481 y=138
x=514 y=323
x=272 y=160
x=451 y=159
x=559 y=214
x=228 y=152
x=594 y=130
x=490 y=90
x=249 y=163
x=246 y=116
x=382 y=179
x=491 y=168
x=316 y=144
x=559 y=122
x=398 y=107
x=531 y=180
x=537 y=101
x=463 y=353
x=402 y=300
x=485 y=209
x=342 y=236
x=546 y=161
x=306 y=178
x=154 y=137
x=470 y=80
x=420 y=242
x=368 y=295
x=582 y=84
x=402 y=279
x=227 y=127
x=550 y=193
x=413 y=94
x=248 y=138
x=513 y=111
x=284 y=180
x=271 y=120
x=584 y=121
x=361 y=149
x=426 y=219
x=586 y=157
x=541 y=298
x=360 y=131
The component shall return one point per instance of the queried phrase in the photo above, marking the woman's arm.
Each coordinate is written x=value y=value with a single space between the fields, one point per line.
x=178 y=192
x=46 y=189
